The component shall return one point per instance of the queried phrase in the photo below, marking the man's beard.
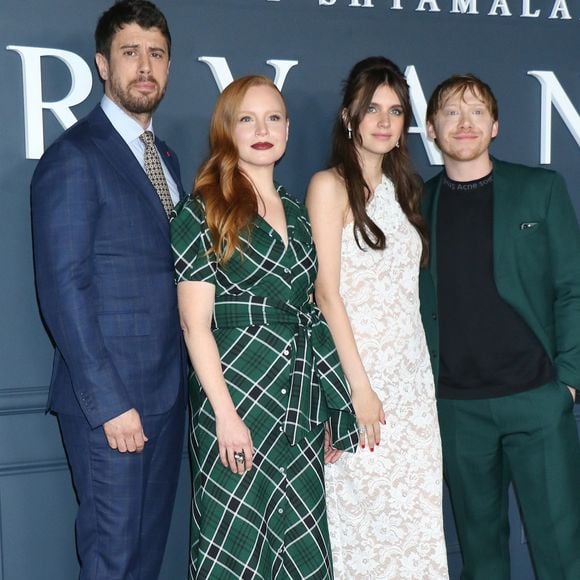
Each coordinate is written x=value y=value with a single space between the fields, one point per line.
x=136 y=104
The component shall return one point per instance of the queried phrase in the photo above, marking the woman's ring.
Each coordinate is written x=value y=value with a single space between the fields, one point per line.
x=361 y=429
x=239 y=456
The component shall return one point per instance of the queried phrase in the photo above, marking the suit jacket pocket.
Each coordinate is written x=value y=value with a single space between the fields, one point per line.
x=125 y=323
x=530 y=228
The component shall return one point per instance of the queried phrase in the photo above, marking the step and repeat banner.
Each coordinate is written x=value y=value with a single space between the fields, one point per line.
x=527 y=50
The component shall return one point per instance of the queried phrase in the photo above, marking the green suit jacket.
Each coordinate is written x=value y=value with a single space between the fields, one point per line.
x=536 y=246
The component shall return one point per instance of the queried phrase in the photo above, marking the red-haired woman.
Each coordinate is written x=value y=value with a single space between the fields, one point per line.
x=266 y=375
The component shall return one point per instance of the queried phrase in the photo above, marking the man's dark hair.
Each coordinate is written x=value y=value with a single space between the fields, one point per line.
x=124 y=12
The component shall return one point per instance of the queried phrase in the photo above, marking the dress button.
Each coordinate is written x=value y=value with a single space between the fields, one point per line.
x=280 y=511
x=286 y=352
x=280 y=428
x=283 y=391
x=434 y=316
x=282 y=470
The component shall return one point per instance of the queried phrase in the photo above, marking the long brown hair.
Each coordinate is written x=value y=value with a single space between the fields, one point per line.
x=364 y=79
x=230 y=198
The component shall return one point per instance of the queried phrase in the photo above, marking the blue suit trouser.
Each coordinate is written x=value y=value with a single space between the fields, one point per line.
x=125 y=499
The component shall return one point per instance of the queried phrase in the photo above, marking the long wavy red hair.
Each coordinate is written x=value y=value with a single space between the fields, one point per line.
x=230 y=198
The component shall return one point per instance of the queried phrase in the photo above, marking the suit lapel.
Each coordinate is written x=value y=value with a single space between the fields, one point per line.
x=503 y=205
x=171 y=163
x=431 y=217
x=121 y=158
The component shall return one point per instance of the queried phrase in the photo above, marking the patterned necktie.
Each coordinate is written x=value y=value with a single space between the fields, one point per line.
x=155 y=171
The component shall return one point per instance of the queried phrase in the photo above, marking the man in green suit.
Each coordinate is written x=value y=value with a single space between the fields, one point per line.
x=501 y=308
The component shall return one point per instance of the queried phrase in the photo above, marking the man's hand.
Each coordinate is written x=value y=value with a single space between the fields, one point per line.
x=125 y=432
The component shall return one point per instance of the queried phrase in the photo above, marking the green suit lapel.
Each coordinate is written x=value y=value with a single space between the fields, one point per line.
x=431 y=204
x=503 y=208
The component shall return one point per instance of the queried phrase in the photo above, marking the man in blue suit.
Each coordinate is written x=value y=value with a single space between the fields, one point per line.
x=104 y=275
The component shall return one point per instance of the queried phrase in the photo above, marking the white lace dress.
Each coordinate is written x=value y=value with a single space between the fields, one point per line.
x=384 y=508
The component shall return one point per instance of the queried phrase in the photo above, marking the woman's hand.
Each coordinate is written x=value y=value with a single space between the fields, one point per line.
x=331 y=455
x=235 y=443
x=369 y=415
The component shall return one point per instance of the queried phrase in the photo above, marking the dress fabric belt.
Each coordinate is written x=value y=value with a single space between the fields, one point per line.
x=318 y=388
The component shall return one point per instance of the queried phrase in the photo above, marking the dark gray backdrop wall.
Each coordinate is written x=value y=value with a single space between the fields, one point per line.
x=500 y=40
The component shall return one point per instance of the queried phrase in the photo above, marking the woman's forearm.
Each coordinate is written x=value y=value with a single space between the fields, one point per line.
x=205 y=359
x=334 y=311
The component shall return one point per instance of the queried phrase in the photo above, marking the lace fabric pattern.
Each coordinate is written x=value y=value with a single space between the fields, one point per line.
x=385 y=507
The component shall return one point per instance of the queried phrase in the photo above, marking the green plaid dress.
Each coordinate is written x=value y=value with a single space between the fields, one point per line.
x=284 y=376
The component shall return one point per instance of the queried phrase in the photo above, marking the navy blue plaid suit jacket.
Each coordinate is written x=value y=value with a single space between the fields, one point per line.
x=104 y=275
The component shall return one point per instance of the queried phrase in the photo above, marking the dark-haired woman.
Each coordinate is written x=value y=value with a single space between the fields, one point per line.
x=384 y=502
x=267 y=376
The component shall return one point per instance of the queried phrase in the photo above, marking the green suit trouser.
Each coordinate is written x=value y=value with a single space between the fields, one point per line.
x=530 y=439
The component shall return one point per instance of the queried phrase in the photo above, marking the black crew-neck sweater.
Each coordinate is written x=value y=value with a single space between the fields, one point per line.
x=486 y=348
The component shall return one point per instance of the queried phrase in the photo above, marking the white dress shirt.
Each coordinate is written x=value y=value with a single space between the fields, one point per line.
x=130 y=132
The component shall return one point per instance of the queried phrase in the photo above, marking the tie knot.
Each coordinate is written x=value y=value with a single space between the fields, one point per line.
x=147 y=138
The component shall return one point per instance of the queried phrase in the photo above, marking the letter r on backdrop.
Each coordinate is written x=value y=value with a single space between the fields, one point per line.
x=81 y=84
